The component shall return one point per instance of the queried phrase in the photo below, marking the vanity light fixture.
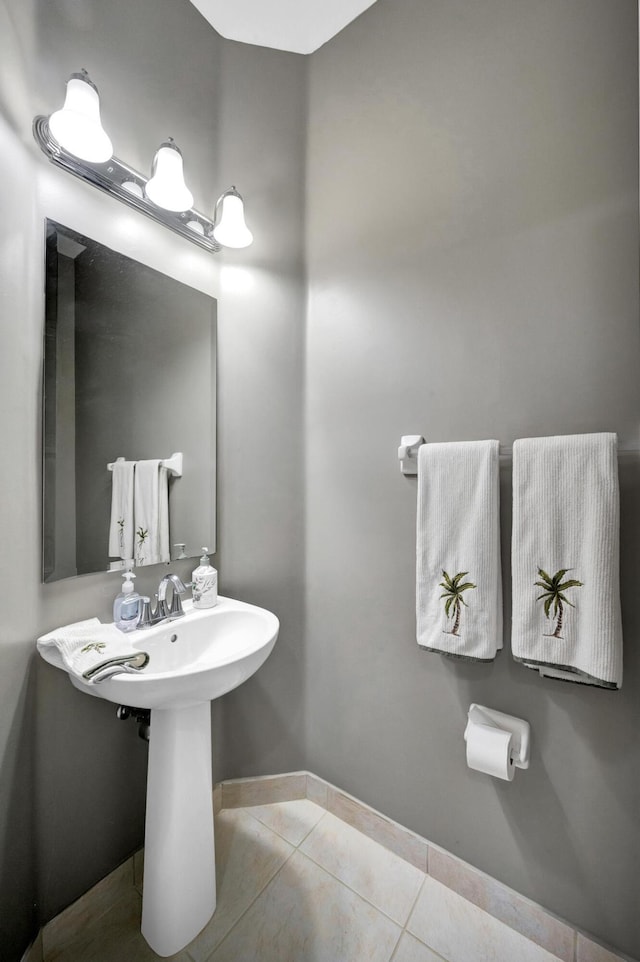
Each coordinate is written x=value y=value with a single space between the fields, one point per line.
x=77 y=126
x=166 y=187
x=73 y=138
x=231 y=229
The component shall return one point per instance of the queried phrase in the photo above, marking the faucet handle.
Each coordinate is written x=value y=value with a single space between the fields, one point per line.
x=176 y=609
x=145 y=619
x=161 y=609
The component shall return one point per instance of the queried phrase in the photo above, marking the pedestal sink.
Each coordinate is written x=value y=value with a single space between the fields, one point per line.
x=192 y=660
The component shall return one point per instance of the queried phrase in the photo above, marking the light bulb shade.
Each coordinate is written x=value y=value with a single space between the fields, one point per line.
x=231 y=230
x=166 y=187
x=77 y=127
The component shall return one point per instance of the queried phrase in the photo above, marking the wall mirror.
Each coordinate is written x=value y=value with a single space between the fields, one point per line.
x=129 y=372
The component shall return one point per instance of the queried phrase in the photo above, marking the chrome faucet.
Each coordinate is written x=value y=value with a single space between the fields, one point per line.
x=150 y=617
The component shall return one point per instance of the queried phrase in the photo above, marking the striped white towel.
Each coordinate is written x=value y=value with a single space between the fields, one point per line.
x=458 y=578
x=565 y=558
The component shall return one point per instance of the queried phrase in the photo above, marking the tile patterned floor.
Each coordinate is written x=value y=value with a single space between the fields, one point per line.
x=296 y=884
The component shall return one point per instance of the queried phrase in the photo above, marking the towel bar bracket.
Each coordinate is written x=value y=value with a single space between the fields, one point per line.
x=408 y=453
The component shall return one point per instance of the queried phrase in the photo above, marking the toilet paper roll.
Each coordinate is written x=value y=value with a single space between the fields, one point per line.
x=489 y=751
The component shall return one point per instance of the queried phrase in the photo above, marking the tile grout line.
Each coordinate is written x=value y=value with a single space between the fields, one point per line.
x=396 y=946
x=335 y=877
x=323 y=816
x=359 y=894
x=253 y=901
x=294 y=849
x=411 y=910
x=415 y=902
x=412 y=934
x=354 y=891
x=405 y=930
x=274 y=830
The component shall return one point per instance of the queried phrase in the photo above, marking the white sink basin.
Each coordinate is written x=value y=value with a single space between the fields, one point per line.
x=191 y=661
x=195 y=658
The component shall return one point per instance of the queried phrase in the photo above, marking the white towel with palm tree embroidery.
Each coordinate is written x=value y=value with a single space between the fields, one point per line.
x=565 y=558
x=121 y=524
x=151 y=510
x=86 y=647
x=458 y=577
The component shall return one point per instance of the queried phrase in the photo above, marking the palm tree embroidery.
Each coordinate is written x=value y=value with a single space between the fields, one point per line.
x=121 y=536
x=554 y=594
x=454 y=600
x=142 y=534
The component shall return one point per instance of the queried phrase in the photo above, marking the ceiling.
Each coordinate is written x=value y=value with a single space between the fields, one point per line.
x=297 y=25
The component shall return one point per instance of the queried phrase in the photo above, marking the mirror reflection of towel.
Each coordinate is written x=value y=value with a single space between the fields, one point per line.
x=121 y=525
x=151 y=511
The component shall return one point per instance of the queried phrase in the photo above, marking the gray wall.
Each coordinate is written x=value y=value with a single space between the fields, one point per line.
x=259 y=728
x=472 y=207
x=66 y=821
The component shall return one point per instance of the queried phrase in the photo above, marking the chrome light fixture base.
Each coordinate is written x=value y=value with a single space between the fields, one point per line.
x=110 y=178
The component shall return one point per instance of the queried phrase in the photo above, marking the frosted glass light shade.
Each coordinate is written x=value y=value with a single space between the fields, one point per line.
x=77 y=127
x=231 y=230
x=166 y=187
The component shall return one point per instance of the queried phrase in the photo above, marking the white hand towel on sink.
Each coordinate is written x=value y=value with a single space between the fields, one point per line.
x=89 y=648
x=565 y=551
x=121 y=525
x=458 y=583
x=151 y=510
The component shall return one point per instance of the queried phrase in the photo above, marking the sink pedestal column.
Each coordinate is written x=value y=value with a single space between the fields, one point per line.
x=179 y=861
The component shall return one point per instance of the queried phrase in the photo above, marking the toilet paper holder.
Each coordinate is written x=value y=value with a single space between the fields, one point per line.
x=519 y=728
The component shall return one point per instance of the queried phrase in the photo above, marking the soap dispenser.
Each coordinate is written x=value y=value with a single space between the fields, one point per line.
x=126 y=607
x=205 y=583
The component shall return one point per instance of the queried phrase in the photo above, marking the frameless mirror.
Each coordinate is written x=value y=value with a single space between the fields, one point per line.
x=129 y=372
